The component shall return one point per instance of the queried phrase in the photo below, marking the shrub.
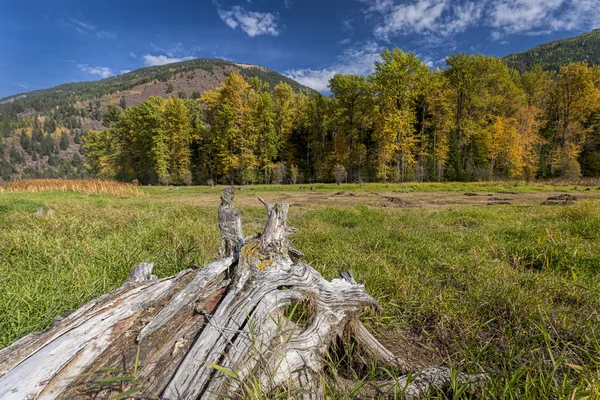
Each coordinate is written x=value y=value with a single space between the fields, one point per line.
x=186 y=178
x=279 y=173
x=339 y=173
x=294 y=174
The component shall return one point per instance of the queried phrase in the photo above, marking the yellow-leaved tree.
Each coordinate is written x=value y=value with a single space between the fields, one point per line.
x=178 y=128
x=398 y=81
x=577 y=97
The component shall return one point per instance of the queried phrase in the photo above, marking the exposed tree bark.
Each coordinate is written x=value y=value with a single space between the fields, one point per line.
x=230 y=223
x=210 y=331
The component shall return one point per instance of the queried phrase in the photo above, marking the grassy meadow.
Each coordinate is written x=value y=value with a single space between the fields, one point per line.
x=512 y=290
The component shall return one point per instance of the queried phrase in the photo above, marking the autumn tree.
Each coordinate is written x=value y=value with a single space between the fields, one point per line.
x=316 y=130
x=353 y=108
x=151 y=139
x=435 y=115
x=577 y=97
x=484 y=89
x=286 y=115
x=226 y=111
x=530 y=141
x=398 y=82
x=261 y=140
x=475 y=120
x=178 y=129
x=101 y=154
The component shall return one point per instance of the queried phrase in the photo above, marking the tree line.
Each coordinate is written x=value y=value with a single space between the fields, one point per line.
x=477 y=119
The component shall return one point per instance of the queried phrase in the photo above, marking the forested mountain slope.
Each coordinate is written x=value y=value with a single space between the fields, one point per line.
x=551 y=56
x=40 y=131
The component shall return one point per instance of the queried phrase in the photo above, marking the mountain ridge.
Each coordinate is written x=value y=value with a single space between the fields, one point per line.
x=162 y=73
x=41 y=130
x=552 y=55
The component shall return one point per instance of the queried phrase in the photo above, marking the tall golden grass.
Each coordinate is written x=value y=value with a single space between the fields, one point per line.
x=85 y=186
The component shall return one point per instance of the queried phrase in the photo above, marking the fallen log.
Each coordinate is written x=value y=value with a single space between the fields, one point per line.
x=225 y=329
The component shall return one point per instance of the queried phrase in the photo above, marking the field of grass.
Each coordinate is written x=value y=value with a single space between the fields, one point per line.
x=509 y=290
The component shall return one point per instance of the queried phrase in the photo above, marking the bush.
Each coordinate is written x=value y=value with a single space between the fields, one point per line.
x=279 y=173
x=340 y=174
x=294 y=174
x=164 y=180
x=186 y=178
x=570 y=169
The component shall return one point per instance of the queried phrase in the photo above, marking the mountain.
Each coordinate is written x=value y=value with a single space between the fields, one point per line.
x=40 y=131
x=551 y=56
x=190 y=76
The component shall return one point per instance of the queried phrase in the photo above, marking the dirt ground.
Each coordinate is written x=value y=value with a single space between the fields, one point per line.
x=316 y=199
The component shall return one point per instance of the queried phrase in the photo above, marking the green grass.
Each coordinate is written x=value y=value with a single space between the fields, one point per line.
x=512 y=291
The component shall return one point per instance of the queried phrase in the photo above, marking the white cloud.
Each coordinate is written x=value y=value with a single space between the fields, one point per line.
x=380 y=6
x=408 y=18
x=82 y=24
x=347 y=25
x=124 y=71
x=84 y=27
x=514 y=16
x=103 y=72
x=132 y=54
x=585 y=12
x=317 y=79
x=461 y=17
x=288 y=4
x=173 y=51
x=430 y=17
x=496 y=35
x=542 y=16
x=171 y=54
x=252 y=22
x=359 y=60
x=150 y=60
x=221 y=57
x=437 y=19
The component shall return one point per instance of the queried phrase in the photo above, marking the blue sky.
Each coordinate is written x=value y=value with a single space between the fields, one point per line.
x=46 y=43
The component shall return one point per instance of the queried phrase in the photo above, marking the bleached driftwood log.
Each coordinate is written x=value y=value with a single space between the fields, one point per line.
x=206 y=332
x=230 y=223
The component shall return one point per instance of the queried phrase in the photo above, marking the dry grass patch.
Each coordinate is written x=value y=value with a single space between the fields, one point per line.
x=84 y=186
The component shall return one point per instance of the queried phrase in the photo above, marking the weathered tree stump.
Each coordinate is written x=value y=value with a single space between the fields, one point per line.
x=207 y=332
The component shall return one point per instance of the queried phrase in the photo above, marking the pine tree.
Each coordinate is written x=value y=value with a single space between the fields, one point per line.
x=64 y=141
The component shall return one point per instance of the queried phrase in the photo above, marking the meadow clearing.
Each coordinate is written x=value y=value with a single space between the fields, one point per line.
x=491 y=281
